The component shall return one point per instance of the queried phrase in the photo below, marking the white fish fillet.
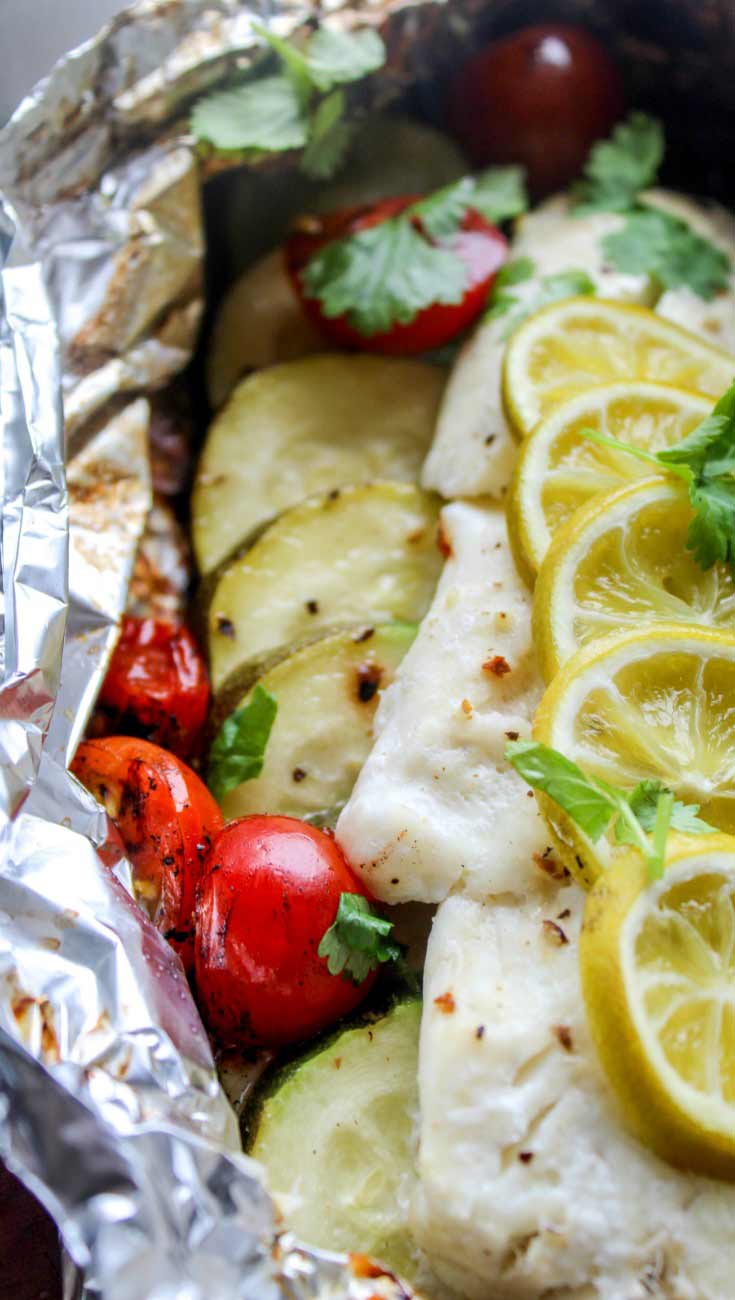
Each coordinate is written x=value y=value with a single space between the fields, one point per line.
x=529 y=1186
x=423 y=814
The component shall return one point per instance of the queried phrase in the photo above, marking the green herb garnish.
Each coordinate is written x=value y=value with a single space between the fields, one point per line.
x=238 y=751
x=618 y=169
x=287 y=111
x=549 y=288
x=357 y=941
x=597 y=807
x=651 y=242
x=705 y=461
x=387 y=274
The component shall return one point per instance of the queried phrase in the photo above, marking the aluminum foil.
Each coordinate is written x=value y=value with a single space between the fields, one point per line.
x=111 y=1110
x=112 y=1113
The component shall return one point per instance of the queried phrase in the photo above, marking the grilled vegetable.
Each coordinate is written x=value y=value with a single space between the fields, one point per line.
x=357 y=555
x=335 y=1134
x=167 y=820
x=156 y=685
x=271 y=891
x=306 y=427
x=326 y=697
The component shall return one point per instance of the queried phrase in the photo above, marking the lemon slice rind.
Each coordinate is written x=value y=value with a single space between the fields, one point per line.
x=631 y=1000
x=638 y=672
x=578 y=343
x=557 y=471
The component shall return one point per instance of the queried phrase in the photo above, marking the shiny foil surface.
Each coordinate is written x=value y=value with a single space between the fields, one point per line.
x=112 y=1113
x=111 y=1109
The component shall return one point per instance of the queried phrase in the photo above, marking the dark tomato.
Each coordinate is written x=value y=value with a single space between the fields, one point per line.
x=166 y=819
x=270 y=889
x=540 y=97
x=156 y=684
x=478 y=244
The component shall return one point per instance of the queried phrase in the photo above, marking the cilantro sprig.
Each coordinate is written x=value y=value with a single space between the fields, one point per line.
x=705 y=462
x=358 y=940
x=387 y=274
x=547 y=289
x=299 y=107
x=618 y=169
x=650 y=242
x=238 y=750
x=641 y=817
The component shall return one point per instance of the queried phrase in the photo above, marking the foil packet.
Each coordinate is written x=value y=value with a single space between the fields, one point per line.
x=111 y=1109
x=112 y=1112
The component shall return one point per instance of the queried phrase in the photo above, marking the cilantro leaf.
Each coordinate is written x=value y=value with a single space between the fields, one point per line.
x=441 y=213
x=500 y=193
x=265 y=114
x=597 y=807
x=357 y=941
x=383 y=275
x=329 y=138
x=705 y=460
x=497 y=194
x=279 y=112
x=619 y=168
x=515 y=272
x=643 y=800
x=550 y=288
x=658 y=244
x=335 y=58
x=238 y=751
x=546 y=769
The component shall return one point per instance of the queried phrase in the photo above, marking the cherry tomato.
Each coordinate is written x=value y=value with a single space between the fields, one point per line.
x=540 y=97
x=270 y=889
x=156 y=685
x=478 y=244
x=167 y=820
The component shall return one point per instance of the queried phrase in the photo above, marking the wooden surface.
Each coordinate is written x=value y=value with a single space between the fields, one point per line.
x=30 y=1264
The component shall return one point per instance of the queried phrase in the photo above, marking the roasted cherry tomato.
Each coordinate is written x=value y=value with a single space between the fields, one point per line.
x=156 y=685
x=269 y=891
x=480 y=245
x=167 y=820
x=540 y=97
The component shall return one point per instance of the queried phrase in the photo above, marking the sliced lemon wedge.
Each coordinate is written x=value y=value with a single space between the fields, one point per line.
x=621 y=562
x=558 y=470
x=657 y=963
x=657 y=703
x=580 y=342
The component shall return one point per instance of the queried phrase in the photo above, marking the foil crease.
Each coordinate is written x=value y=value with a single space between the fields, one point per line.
x=111 y=1109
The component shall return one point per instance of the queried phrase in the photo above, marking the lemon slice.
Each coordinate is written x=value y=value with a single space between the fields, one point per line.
x=558 y=470
x=621 y=562
x=657 y=703
x=580 y=342
x=658 y=975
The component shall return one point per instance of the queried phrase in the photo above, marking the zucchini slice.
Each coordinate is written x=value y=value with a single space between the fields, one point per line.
x=304 y=427
x=327 y=695
x=260 y=321
x=335 y=1133
x=359 y=555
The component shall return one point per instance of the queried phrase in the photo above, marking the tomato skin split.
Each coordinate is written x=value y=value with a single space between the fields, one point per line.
x=270 y=889
x=167 y=821
x=156 y=685
x=478 y=244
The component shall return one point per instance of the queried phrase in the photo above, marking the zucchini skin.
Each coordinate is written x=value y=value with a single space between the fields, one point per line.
x=394 y=990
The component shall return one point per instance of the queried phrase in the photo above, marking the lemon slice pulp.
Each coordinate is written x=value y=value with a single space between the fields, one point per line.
x=558 y=470
x=580 y=342
x=657 y=703
x=657 y=964
x=621 y=562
